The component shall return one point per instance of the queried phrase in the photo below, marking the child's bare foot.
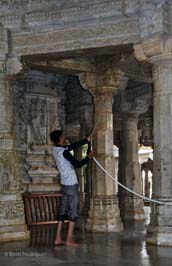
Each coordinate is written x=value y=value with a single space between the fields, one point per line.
x=59 y=242
x=72 y=244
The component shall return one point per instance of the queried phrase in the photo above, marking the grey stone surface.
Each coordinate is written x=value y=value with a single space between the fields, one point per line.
x=126 y=249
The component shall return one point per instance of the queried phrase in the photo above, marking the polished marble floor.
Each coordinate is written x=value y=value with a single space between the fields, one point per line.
x=122 y=249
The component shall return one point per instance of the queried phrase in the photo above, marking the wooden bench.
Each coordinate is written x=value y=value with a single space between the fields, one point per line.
x=41 y=208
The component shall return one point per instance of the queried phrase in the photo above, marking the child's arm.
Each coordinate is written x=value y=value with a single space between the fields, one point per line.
x=77 y=144
x=74 y=161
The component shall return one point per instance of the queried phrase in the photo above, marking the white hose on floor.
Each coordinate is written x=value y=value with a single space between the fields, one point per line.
x=128 y=189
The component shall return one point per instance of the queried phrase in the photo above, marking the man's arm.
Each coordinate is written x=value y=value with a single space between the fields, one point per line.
x=77 y=144
x=74 y=161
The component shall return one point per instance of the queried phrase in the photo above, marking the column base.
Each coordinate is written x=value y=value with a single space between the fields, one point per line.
x=131 y=209
x=12 y=218
x=160 y=229
x=159 y=238
x=104 y=215
x=14 y=233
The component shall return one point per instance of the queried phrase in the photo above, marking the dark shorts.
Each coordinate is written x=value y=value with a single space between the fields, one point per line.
x=69 y=203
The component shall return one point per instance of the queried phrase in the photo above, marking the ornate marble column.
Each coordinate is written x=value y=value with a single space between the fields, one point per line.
x=156 y=48
x=160 y=229
x=131 y=206
x=12 y=218
x=104 y=211
x=134 y=101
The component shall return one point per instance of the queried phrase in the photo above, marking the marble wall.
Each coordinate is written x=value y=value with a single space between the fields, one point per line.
x=44 y=102
x=39 y=109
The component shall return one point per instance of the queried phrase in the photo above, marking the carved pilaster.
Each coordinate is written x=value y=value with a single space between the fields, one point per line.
x=38 y=110
x=9 y=159
x=12 y=222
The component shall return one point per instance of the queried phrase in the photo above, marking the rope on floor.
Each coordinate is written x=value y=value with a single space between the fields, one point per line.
x=130 y=190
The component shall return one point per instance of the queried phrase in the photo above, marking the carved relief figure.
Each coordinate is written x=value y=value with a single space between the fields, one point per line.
x=53 y=114
x=21 y=119
x=10 y=171
x=37 y=121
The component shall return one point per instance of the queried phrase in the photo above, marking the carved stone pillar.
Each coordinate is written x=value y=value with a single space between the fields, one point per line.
x=131 y=206
x=156 y=48
x=104 y=211
x=160 y=229
x=12 y=218
x=135 y=101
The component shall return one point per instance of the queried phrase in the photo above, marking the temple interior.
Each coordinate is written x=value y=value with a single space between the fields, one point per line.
x=87 y=67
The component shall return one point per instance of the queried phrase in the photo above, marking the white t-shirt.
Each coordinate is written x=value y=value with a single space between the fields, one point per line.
x=66 y=169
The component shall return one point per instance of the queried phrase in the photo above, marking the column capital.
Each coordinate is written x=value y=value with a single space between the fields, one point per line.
x=10 y=67
x=13 y=65
x=133 y=115
x=134 y=112
x=107 y=80
x=155 y=30
x=135 y=102
x=154 y=50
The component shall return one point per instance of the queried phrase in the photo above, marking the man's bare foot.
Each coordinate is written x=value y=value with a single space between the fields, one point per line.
x=59 y=242
x=72 y=244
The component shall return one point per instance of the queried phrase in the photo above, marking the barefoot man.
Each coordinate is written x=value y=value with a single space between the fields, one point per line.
x=66 y=163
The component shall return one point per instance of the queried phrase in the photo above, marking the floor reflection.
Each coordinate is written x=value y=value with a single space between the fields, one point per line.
x=123 y=249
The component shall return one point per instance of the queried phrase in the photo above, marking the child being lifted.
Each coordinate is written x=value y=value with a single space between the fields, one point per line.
x=66 y=163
